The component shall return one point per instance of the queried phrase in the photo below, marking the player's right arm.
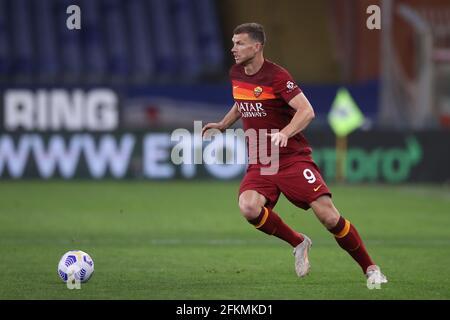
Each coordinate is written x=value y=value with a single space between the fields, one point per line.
x=231 y=117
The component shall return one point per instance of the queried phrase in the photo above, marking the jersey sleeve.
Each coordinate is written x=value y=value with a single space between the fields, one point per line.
x=284 y=86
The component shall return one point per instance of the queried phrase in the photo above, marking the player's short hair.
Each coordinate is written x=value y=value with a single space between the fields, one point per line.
x=253 y=29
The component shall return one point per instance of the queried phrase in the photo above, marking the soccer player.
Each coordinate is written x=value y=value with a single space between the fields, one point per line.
x=266 y=97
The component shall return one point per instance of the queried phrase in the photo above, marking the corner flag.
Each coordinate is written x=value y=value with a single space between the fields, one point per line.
x=344 y=116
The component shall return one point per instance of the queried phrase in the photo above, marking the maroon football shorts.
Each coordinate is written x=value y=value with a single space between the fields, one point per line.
x=300 y=181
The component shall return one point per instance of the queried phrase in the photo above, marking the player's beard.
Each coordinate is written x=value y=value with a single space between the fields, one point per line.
x=246 y=61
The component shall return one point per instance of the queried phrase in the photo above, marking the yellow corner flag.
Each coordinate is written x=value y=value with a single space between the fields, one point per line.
x=344 y=116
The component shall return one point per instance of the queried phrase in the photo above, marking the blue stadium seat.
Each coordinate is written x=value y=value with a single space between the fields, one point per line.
x=142 y=60
x=117 y=46
x=47 y=62
x=186 y=35
x=22 y=38
x=5 y=34
x=93 y=40
x=210 y=38
x=164 y=48
x=70 y=43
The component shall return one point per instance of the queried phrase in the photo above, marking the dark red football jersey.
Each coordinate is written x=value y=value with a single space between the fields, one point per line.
x=262 y=99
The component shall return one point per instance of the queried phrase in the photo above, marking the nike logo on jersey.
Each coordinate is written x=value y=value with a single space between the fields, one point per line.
x=316 y=189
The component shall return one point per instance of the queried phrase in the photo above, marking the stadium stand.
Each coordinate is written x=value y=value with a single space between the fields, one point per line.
x=143 y=61
x=69 y=42
x=136 y=41
x=93 y=42
x=21 y=43
x=47 y=62
x=4 y=40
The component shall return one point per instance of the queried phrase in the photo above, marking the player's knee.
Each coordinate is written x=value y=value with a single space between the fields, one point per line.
x=249 y=209
x=330 y=220
x=327 y=213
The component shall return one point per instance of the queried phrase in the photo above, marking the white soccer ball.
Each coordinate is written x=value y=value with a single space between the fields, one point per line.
x=76 y=265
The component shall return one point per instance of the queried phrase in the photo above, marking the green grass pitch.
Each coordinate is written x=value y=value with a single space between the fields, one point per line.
x=185 y=240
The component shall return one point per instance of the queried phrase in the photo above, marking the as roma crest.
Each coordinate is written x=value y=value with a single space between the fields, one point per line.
x=257 y=91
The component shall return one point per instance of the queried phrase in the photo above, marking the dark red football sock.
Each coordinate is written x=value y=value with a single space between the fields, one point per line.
x=269 y=222
x=348 y=239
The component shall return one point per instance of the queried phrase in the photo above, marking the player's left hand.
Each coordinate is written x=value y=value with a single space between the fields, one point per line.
x=279 y=138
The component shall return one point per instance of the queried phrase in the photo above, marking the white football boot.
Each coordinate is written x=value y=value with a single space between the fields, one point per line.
x=374 y=276
x=302 y=265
